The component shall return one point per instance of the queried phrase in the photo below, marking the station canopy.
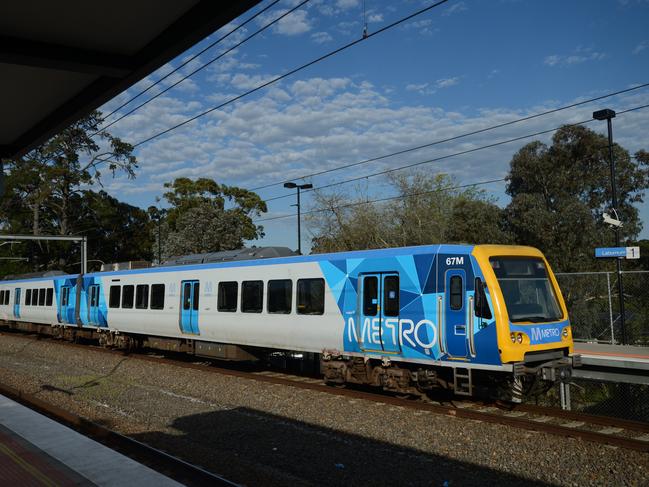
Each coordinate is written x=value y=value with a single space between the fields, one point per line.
x=59 y=60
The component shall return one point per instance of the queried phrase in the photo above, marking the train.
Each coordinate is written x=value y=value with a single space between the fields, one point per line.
x=472 y=319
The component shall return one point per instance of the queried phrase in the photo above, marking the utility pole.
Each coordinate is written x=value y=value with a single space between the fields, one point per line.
x=298 y=187
x=608 y=114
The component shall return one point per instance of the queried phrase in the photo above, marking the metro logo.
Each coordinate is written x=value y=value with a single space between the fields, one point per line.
x=422 y=334
x=542 y=334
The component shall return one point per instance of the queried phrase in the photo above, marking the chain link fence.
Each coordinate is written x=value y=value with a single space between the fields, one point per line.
x=593 y=305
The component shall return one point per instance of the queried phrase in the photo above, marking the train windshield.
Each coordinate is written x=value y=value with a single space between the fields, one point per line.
x=527 y=290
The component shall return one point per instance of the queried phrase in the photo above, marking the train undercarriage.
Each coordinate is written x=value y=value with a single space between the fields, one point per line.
x=528 y=379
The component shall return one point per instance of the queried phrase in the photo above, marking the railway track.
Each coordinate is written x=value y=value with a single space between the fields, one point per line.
x=616 y=432
x=173 y=467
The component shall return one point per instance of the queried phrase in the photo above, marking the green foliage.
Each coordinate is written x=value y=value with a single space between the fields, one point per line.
x=431 y=209
x=559 y=194
x=46 y=194
x=207 y=217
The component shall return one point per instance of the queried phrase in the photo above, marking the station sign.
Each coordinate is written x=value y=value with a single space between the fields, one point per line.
x=617 y=252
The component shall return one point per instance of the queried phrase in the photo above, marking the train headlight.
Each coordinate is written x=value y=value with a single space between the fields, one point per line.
x=513 y=337
x=565 y=333
x=519 y=338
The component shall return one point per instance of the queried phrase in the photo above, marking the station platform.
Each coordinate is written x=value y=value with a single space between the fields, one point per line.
x=619 y=363
x=35 y=450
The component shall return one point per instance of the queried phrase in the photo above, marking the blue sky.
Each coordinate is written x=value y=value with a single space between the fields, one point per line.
x=457 y=68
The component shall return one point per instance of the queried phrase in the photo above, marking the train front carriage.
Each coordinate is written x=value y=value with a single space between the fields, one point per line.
x=475 y=319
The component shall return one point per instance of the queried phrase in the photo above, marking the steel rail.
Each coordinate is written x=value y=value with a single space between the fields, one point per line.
x=476 y=412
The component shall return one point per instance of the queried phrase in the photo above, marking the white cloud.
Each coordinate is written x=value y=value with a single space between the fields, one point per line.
x=640 y=47
x=321 y=37
x=429 y=89
x=447 y=82
x=295 y=23
x=455 y=8
x=346 y=4
x=580 y=55
x=375 y=18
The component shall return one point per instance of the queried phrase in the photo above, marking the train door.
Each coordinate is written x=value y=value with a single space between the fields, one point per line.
x=378 y=323
x=455 y=327
x=189 y=307
x=93 y=304
x=66 y=308
x=17 y=302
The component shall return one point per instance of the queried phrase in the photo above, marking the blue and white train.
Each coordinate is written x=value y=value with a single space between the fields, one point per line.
x=468 y=318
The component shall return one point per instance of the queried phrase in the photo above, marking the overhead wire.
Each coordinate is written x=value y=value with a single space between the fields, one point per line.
x=202 y=67
x=291 y=72
x=447 y=156
x=456 y=137
x=621 y=112
x=380 y=200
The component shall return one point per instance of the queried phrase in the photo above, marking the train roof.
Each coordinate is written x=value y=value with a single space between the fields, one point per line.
x=356 y=254
x=246 y=253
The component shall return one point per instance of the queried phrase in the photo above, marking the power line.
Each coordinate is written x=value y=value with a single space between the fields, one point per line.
x=185 y=63
x=621 y=112
x=200 y=68
x=456 y=137
x=291 y=72
x=380 y=200
x=448 y=156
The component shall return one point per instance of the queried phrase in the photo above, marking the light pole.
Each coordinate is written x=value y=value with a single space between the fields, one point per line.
x=298 y=187
x=608 y=114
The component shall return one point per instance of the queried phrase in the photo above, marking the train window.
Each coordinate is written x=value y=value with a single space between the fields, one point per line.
x=28 y=297
x=128 y=293
x=94 y=301
x=187 y=295
x=310 y=296
x=456 y=293
x=2 y=297
x=391 y=295
x=142 y=296
x=50 y=297
x=227 y=300
x=370 y=295
x=34 y=297
x=280 y=293
x=63 y=297
x=157 y=296
x=7 y=297
x=41 y=297
x=115 y=295
x=196 y=296
x=252 y=296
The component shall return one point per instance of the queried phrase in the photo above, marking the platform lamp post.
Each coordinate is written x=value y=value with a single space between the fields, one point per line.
x=298 y=187
x=608 y=114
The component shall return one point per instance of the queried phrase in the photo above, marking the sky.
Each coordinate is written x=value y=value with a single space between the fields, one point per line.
x=454 y=69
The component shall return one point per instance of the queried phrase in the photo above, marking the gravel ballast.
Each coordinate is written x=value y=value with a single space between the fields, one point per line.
x=257 y=433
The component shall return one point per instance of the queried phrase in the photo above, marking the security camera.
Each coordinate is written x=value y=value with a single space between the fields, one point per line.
x=611 y=221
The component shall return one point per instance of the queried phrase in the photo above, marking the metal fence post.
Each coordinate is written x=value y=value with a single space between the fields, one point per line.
x=610 y=306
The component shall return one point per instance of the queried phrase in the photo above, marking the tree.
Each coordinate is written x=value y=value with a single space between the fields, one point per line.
x=53 y=173
x=426 y=210
x=559 y=194
x=46 y=187
x=207 y=217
